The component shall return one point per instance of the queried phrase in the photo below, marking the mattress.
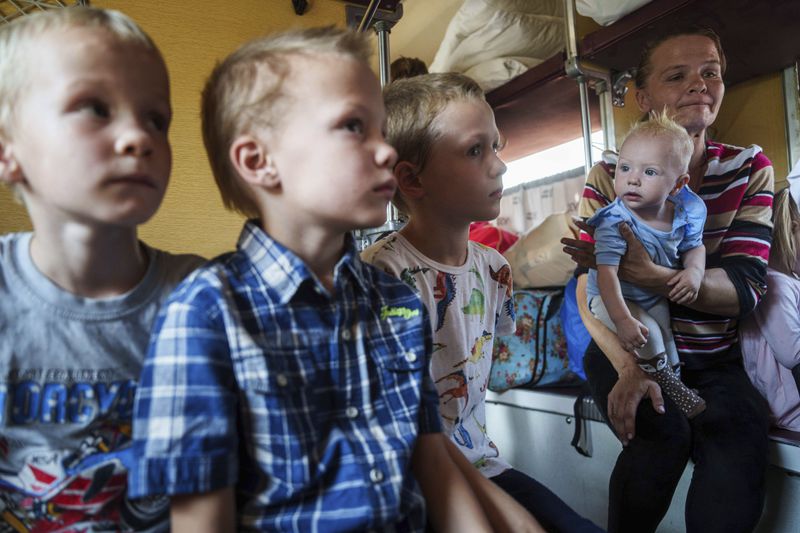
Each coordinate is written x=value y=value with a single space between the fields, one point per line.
x=493 y=41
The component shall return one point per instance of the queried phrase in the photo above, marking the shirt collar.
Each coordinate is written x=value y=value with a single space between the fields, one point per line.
x=284 y=272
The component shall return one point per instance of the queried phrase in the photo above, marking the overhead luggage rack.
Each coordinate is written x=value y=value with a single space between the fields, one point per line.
x=540 y=108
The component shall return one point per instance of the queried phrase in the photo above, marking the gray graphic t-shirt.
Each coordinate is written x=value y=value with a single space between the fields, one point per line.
x=68 y=372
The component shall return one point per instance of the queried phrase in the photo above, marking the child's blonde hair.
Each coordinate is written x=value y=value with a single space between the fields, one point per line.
x=17 y=46
x=784 y=249
x=247 y=90
x=661 y=125
x=412 y=107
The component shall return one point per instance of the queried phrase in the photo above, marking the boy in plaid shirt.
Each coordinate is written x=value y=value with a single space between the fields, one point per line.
x=286 y=387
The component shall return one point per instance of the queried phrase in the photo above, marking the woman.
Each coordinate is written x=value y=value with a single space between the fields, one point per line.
x=728 y=442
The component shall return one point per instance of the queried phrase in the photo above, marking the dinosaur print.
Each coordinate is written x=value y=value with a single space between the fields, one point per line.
x=475 y=305
x=407 y=276
x=503 y=277
x=460 y=390
x=477 y=349
x=443 y=293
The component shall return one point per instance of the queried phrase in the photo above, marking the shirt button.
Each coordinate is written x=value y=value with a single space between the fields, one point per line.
x=411 y=357
x=351 y=412
x=346 y=334
x=376 y=475
x=281 y=380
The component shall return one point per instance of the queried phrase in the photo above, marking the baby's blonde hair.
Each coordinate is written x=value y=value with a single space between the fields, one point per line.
x=661 y=125
x=18 y=46
x=247 y=89
x=412 y=107
x=784 y=249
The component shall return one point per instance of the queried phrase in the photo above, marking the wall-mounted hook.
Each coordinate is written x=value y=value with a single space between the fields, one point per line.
x=300 y=6
x=619 y=86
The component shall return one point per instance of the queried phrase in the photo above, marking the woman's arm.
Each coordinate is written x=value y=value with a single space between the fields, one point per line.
x=451 y=503
x=717 y=294
x=631 y=333
x=632 y=384
x=212 y=512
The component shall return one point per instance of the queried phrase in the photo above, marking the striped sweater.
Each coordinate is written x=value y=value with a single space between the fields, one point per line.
x=737 y=190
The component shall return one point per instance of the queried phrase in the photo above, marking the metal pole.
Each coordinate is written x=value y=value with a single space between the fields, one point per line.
x=368 y=15
x=572 y=67
x=586 y=125
x=569 y=29
x=606 y=115
x=791 y=101
x=382 y=30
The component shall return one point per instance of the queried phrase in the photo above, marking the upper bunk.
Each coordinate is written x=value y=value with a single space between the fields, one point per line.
x=541 y=107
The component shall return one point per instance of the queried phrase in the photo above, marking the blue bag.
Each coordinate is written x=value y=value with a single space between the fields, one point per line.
x=536 y=354
x=578 y=337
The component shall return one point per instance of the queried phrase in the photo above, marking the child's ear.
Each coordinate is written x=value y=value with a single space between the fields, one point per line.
x=408 y=181
x=253 y=163
x=10 y=171
x=680 y=183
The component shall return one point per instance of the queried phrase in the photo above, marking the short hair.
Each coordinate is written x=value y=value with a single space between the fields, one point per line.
x=660 y=125
x=645 y=67
x=782 y=255
x=247 y=89
x=412 y=107
x=406 y=67
x=17 y=46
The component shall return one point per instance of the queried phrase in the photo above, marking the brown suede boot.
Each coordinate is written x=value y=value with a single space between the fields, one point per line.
x=687 y=400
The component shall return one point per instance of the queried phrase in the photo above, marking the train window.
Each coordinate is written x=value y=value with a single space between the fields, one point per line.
x=550 y=162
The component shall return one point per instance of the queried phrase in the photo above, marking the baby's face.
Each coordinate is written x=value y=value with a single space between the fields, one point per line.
x=329 y=151
x=89 y=134
x=647 y=172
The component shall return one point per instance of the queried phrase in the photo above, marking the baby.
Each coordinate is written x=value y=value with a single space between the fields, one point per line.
x=668 y=218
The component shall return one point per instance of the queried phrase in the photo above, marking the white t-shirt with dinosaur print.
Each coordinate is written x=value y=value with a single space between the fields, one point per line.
x=468 y=306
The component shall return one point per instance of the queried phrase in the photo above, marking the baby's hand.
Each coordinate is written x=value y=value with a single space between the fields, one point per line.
x=632 y=334
x=685 y=285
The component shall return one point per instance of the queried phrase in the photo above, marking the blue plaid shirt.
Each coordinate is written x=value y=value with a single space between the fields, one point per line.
x=309 y=402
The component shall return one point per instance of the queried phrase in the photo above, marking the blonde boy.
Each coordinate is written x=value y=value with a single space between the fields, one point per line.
x=652 y=198
x=84 y=114
x=286 y=387
x=449 y=175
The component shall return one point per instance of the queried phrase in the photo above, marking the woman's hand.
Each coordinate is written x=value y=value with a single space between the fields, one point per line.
x=623 y=400
x=582 y=252
x=636 y=266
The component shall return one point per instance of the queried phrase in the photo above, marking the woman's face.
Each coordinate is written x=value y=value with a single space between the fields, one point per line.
x=686 y=78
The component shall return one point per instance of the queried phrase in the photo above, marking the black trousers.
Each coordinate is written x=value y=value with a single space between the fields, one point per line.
x=727 y=442
x=553 y=514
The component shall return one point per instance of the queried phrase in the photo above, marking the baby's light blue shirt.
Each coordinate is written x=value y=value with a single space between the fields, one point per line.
x=664 y=247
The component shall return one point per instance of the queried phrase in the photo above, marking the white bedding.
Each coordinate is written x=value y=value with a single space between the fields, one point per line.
x=606 y=12
x=493 y=41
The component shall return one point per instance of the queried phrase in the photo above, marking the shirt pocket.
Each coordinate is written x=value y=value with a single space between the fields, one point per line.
x=280 y=423
x=400 y=357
